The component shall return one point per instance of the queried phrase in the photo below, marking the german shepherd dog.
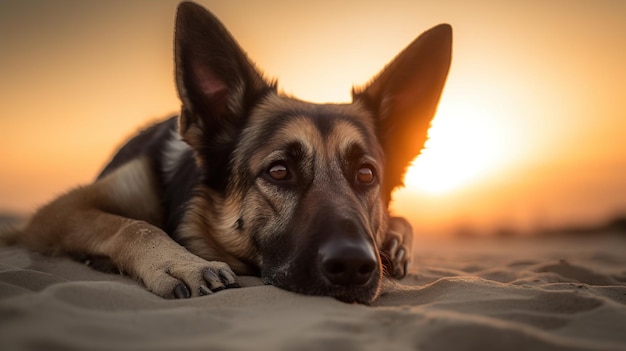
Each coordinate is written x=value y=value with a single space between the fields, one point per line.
x=249 y=181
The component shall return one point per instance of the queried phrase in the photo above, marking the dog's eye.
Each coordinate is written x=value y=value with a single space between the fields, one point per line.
x=278 y=171
x=365 y=175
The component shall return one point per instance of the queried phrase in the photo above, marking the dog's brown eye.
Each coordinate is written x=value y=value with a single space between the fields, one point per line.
x=365 y=175
x=278 y=172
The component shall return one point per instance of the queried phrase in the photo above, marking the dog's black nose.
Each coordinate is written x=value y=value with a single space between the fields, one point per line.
x=347 y=262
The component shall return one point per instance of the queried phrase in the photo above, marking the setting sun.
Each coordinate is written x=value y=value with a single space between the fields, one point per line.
x=468 y=139
x=457 y=153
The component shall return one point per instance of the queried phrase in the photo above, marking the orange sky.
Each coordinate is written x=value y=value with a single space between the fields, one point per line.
x=530 y=130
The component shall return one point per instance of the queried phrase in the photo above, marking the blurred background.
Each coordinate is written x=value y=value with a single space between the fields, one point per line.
x=529 y=136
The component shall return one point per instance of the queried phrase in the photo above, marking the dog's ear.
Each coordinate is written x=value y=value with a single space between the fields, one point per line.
x=404 y=99
x=216 y=82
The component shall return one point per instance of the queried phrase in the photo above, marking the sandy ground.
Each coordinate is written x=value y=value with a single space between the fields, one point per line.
x=516 y=294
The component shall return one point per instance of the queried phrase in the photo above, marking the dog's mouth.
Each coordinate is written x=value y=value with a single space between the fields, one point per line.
x=333 y=256
x=310 y=280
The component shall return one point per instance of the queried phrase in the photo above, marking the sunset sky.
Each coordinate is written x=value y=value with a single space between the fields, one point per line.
x=530 y=133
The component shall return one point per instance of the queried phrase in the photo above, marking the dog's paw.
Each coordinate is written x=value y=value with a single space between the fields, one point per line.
x=189 y=277
x=397 y=248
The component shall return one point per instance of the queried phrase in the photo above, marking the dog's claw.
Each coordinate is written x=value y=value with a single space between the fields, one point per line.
x=397 y=247
x=221 y=280
x=215 y=284
x=181 y=292
x=400 y=255
x=400 y=270
x=191 y=276
x=203 y=290
x=391 y=246
x=228 y=279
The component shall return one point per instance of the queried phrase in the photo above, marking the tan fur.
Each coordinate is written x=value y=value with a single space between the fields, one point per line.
x=209 y=231
x=96 y=220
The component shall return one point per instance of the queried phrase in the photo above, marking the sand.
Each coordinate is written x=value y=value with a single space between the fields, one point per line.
x=517 y=294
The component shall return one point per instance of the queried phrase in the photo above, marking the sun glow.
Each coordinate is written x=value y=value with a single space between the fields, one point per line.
x=460 y=149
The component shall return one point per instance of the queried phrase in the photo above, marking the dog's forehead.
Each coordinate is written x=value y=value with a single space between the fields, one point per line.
x=281 y=121
x=278 y=113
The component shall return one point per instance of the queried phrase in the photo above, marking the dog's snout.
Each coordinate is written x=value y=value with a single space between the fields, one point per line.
x=347 y=261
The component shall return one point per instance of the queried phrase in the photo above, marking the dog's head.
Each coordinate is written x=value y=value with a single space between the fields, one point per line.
x=302 y=189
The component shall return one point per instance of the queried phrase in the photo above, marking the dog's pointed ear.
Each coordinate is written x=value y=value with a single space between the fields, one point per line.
x=216 y=82
x=404 y=99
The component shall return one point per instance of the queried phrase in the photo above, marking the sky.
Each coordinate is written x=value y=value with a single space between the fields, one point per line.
x=529 y=133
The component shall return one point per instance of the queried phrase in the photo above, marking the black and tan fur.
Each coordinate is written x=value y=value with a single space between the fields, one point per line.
x=249 y=181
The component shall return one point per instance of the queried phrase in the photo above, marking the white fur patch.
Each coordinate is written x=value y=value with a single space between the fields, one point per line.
x=131 y=190
x=174 y=149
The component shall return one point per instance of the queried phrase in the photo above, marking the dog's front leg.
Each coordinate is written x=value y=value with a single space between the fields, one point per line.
x=150 y=255
x=397 y=249
x=115 y=218
x=147 y=254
